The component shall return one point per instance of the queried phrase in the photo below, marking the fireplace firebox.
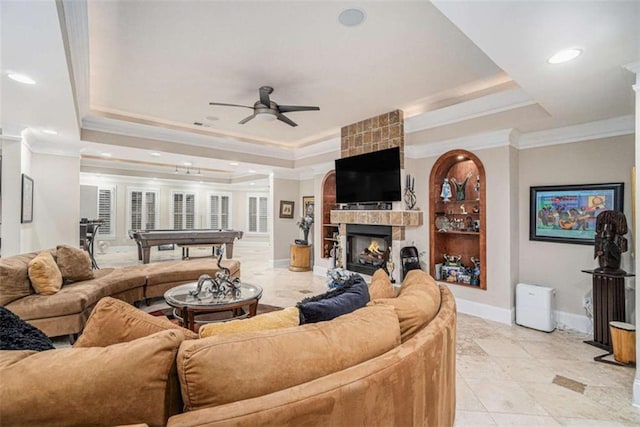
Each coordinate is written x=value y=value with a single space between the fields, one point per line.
x=367 y=247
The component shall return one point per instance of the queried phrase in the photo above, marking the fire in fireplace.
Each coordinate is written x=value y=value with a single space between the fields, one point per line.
x=367 y=247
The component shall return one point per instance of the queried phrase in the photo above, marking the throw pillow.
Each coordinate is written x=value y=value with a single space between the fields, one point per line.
x=113 y=321
x=74 y=263
x=16 y=334
x=129 y=383
x=14 y=278
x=381 y=286
x=354 y=294
x=417 y=303
x=44 y=274
x=287 y=318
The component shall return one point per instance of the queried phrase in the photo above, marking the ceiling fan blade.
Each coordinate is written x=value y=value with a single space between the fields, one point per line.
x=290 y=108
x=264 y=95
x=287 y=120
x=246 y=119
x=229 y=105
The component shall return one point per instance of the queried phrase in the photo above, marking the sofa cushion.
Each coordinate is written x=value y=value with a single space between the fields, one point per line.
x=126 y=383
x=16 y=334
x=381 y=286
x=229 y=368
x=417 y=303
x=71 y=299
x=124 y=278
x=113 y=321
x=181 y=271
x=74 y=263
x=352 y=295
x=287 y=318
x=14 y=278
x=44 y=274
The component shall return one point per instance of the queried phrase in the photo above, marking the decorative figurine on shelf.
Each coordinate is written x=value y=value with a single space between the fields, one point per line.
x=463 y=211
x=390 y=265
x=475 y=273
x=305 y=225
x=610 y=243
x=409 y=193
x=461 y=186
x=477 y=187
x=469 y=223
x=446 y=191
x=452 y=260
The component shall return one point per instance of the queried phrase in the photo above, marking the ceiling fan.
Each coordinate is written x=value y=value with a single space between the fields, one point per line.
x=266 y=109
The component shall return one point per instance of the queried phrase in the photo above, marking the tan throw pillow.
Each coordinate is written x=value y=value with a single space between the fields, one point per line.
x=128 y=383
x=74 y=263
x=381 y=286
x=287 y=318
x=258 y=363
x=113 y=321
x=44 y=274
x=14 y=278
x=417 y=303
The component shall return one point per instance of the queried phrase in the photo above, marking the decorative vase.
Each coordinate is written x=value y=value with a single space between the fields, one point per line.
x=306 y=236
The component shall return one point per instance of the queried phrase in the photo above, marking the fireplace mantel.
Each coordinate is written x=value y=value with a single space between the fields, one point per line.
x=395 y=218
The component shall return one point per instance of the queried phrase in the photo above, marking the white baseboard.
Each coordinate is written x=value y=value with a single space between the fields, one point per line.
x=280 y=263
x=574 y=322
x=249 y=243
x=636 y=392
x=485 y=311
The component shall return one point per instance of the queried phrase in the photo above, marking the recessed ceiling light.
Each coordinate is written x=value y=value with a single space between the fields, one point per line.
x=187 y=163
x=252 y=183
x=105 y=154
x=212 y=118
x=352 y=17
x=154 y=154
x=564 y=56
x=49 y=131
x=252 y=171
x=460 y=157
x=234 y=163
x=21 y=78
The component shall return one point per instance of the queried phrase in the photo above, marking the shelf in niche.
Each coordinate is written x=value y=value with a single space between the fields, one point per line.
x=471 y=233
x=444 y=282
x=468 y=213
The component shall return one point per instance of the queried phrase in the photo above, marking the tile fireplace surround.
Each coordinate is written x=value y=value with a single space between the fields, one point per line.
x=397 y=219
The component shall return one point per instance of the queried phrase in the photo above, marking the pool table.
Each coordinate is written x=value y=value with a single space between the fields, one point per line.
x=145 y=239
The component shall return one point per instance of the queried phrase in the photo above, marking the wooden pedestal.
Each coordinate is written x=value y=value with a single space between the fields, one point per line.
x=608 y=305
x=300 y=258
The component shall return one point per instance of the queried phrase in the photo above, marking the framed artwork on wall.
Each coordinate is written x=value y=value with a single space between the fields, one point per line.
x=26 y=214
x=567 y=213
x=286 y=209
x=307 y=206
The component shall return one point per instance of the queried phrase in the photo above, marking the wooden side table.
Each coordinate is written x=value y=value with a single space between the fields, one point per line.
x=300 y=258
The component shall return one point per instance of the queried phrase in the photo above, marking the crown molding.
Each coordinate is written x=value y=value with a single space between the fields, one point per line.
x=120 y=127
x=616 y=126
x=323 y=147
x=501 y=138
x=484 y=106
x=634 y=67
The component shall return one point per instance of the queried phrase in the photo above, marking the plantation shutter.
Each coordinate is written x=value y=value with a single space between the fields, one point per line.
x=253 y=214
x=105 y=211
x=136 y=210
x=215 y=210
x=263 y=215
x=178 y=207
x=190 y=214
x=224 y=212
x=150 y=205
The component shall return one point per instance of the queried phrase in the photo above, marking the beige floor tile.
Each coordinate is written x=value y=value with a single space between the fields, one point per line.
x=505 y=397
x=581 y=422
x=526 y=370
x=501 y=347
x=473 y=419
x=523 y=420
x=466 y=400
x=479 y=368
x=562 y=402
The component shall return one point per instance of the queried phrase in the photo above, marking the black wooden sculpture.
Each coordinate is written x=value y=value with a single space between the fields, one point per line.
x=610 y=243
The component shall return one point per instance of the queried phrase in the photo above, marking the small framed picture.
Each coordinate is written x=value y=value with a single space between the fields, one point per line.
x=26 y=214
x=286 y=209
x=307 y=206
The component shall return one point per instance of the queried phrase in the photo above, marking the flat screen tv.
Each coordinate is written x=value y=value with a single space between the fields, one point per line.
x=369 y=178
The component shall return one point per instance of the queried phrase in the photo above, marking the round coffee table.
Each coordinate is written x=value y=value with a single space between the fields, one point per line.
x=186 y=306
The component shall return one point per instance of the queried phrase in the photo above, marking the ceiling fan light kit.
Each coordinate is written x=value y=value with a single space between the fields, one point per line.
x=267 y=110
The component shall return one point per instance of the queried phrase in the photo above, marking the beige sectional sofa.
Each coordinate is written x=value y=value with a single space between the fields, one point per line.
x=391 y=363
x=65 y=312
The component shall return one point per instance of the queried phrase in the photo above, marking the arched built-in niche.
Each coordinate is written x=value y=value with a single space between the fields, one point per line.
x=329 y=231
x=457 y=227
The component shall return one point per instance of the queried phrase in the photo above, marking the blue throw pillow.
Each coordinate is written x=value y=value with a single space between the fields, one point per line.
x=354 y=294
x=16 y=334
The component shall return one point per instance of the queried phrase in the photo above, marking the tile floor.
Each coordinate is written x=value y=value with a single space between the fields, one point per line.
x=506 y=374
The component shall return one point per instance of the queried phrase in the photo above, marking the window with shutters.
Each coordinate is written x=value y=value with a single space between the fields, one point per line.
x=142 y=209
x=219 y=211
x=257 y=214
x=106 y=211
x=183 y=210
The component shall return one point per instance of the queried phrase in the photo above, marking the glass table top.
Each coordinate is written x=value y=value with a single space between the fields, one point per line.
x=180 y=296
